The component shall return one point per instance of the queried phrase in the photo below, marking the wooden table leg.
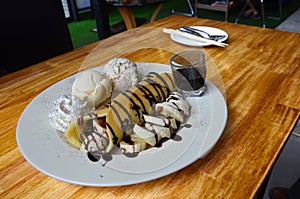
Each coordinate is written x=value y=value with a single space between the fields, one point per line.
x=128 y=17
x=156 y=11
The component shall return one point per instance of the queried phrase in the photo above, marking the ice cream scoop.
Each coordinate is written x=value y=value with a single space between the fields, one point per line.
x=94 y=85
x=123 y=73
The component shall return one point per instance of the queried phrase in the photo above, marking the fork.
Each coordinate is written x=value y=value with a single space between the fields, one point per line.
x=200 y=33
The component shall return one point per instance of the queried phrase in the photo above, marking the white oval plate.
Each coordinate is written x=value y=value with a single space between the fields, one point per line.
x=45 y=150
x=191 y=42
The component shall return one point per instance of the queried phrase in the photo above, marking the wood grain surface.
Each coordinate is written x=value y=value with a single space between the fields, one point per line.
x=260 y=72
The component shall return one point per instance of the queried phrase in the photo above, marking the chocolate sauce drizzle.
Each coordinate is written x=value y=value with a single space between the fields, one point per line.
x=147 y=94
x=126 y=124
x=136 y=97
x=95 y=157
x=156 y=92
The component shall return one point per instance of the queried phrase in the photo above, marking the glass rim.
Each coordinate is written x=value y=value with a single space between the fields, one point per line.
x=184 y=52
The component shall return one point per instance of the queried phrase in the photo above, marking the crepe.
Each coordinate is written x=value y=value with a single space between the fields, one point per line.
x=127 y=108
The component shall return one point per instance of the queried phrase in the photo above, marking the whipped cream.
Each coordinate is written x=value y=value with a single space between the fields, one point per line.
x=67 y=108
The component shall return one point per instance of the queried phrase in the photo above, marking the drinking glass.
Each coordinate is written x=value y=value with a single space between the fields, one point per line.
x=189 y=72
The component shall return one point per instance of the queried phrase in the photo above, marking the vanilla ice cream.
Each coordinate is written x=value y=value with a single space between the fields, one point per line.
x=94 y=85
x=123 y=73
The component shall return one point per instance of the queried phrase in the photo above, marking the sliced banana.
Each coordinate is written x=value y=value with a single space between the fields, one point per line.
x=127 y=108
x=166 y=122
x=170 y=110
x=163 y=132
x=102 y=111
x=136 y=145
x=84 y=124
x=96 y=142
x=151 y=137
x=177 y=99
x=72 y=135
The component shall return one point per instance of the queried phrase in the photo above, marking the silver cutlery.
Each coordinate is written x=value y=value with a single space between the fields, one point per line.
x=200 y=33
x=194 y=37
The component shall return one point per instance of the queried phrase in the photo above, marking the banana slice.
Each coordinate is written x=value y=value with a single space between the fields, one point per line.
x=134 y=146
x=72 y=135
x=127 y=108
x=151 y=137
x=85 y=124
x=177 y=99
x=102 y=111
x=158 y=120
x=163 y=132
x=170 y=110
x=96 y=141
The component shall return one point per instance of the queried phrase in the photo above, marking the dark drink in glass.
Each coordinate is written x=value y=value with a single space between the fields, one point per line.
x=192 y=75
x=189 y=72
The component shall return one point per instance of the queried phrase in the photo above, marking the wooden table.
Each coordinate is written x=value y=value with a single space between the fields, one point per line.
x=260 y=71
x=126 y=10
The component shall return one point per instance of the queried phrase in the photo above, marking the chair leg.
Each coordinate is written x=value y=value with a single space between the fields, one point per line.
x=280 y=9
x=196 y=8
x=263 y=13
x=226 y=12
x=242 y=11
x=191 y=14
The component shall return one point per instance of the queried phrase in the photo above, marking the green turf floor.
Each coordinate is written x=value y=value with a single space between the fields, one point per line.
x=82 y=35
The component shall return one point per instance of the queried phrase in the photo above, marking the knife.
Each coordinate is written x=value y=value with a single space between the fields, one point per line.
x=200 y=33
x=194 y=37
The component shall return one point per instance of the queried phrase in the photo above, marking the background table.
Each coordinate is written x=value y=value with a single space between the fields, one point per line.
x=260 y=71
x=126 y=9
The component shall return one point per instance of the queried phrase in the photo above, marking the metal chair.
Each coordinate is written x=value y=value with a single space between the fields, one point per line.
x=262 y=12
x=191 y=9
x=262 y=9
x=225 y=8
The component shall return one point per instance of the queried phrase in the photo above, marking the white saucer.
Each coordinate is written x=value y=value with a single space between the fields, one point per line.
x=209 y=30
